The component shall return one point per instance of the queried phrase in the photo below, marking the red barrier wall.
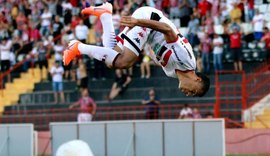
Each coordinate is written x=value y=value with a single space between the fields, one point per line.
x=238 y=141
x=44 y=143
x=247 y=141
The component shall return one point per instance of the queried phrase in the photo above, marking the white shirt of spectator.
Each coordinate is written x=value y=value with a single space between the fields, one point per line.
x=66 y=6
x=5 y=50
x=58 y=49
x=230 y=4
x=81 y=32
x=58 y=74
x=258 y=21
x=46 y=19
x=217 y=49
x=185 y=112
x=84 y=117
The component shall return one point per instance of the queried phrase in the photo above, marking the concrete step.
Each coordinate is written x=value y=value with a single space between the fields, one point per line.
x=267 y=111
x=257 y=124
x=20 y=86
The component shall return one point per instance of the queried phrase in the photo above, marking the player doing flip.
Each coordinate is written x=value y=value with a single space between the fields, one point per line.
x=146 y=25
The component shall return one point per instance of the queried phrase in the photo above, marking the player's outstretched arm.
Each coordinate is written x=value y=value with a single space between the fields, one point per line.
x=169 y=34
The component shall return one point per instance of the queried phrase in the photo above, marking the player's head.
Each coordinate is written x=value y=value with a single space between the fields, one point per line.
x=204 y=84
x=198 y=85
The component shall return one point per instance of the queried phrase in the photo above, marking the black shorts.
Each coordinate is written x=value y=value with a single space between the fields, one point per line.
x=84 y=82
x=268 y=54
x=237 y=54
x=68 y=67
x=5 y=65
x=43 y=63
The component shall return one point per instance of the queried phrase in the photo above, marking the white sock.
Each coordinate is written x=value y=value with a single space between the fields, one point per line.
x=104 y=54
x=108 y=37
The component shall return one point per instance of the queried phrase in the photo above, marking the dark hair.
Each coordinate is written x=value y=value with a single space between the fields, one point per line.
x=205 y=84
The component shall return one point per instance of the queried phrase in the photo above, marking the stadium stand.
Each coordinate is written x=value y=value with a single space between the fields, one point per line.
x=36 y=102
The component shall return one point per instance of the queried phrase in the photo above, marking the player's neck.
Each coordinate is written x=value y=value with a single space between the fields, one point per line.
x=185 y=74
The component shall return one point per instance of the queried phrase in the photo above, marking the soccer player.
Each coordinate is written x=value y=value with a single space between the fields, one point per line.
x=146 y=25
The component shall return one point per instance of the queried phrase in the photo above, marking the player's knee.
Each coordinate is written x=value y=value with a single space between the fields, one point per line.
x=122 y=64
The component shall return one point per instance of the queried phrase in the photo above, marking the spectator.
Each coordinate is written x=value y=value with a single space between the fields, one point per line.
x=266 y=39
x=5 y=47
x=236 y=14
x=81 y=32
x=235 y=45
x=57 y=72
x=224 y=12
x=35 y=15
x=174 y=10
x=57 y=27
x=16 y=45
x=66 y=5
x=75 y=21
x=20 y=20
x=73 y=70
x=209 y=115
x=82 y=76
x=145 y=65
x=193 y=26
x=46 y=17
x=203 y=7
x=196 y=113
x=217 y=52
x=41 y=53
x=209 y=24
x=120 y=84
x=99 y=71
x=152 y=103
x=58 y=49
x=206 y=49
x=184 y=12
x=87 y=107
x=258 y=24
x=186 y=112
x=251 y=11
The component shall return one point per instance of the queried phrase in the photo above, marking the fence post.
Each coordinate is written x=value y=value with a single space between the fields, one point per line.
x=217 y=92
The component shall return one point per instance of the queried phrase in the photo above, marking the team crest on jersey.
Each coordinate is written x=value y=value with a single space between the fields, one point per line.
x=137 y=40
x=144 y=29
x=141 y=34
x=104 y=58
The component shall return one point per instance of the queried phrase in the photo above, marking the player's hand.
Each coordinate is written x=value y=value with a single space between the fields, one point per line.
x=128 y=21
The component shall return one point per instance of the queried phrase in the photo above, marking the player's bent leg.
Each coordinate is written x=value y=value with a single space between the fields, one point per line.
x=76 y=48
x=125 y=59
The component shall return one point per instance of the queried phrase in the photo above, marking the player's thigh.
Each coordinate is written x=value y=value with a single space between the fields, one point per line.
x=126 y=59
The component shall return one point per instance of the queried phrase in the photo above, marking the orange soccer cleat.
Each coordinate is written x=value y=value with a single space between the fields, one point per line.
x=99 y=10
x=71 y=52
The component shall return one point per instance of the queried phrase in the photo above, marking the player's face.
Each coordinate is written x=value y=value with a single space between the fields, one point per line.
x=190 y=87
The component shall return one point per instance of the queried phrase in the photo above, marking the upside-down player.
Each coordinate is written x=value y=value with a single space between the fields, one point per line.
x=146 y=25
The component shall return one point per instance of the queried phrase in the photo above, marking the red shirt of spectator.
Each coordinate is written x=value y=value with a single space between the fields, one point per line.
x=74 y=3
x=75 y=21
x=266 y=38
x=251 y=4
x=87 y=104
x=235 y=39
x=204 y=6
